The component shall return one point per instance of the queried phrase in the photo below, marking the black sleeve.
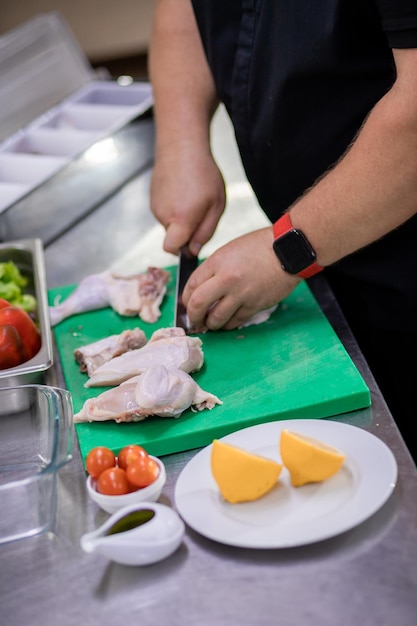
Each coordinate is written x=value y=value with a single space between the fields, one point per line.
x=399 y=22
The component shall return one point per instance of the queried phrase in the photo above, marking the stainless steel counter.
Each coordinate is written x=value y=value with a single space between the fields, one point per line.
x=366 y=576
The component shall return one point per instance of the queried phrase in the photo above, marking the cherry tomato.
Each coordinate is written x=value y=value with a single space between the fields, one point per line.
x=142 y=472
x=98 y=460
x=113 y=482
x=129 y=454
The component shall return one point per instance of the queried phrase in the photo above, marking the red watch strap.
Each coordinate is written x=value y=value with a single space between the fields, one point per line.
x=314 y=268
x=283 y=225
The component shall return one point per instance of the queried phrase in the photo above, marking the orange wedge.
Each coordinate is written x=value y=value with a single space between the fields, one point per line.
x=308 y=460
x=242 y=476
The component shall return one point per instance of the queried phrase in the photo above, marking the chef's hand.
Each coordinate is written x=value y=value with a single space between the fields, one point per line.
x=237 y=281
x=187 y=196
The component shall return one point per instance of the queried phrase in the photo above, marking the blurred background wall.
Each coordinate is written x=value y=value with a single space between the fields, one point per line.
x=112 y=34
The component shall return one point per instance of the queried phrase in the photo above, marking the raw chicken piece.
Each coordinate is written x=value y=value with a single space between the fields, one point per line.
x=138 y=294
x=177 y=352
x=169 y=392
x=117 y=404
x=170 y=331
x=260 y=317
x=158 y=391
x=92 y=355
x=152 y=290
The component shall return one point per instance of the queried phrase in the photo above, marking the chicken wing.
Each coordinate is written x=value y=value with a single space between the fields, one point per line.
x=94 y=354
x=138 y=294
x=176 y=352
x=158 y=391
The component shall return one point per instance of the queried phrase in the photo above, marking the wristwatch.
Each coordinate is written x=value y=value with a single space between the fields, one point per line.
x=293 y=249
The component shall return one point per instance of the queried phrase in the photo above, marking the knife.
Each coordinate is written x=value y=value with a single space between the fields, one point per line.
x=187 y=263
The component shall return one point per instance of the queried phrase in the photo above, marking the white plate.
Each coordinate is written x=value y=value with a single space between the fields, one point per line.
x=289 y=516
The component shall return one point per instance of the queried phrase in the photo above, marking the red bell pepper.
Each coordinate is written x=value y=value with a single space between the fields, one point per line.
x=11 y=349
x=30 y=336
x=4 y=303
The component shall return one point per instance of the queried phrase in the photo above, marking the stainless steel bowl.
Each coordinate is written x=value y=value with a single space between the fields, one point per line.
x=28 y=255
x=36 y=438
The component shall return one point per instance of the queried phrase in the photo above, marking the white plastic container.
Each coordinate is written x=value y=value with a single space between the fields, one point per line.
x=52 y=106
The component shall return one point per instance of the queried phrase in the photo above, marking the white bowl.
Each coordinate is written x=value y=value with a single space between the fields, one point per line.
x=152 y=539
x=111 y=504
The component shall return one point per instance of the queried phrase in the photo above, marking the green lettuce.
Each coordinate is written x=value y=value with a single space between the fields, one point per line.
x=12 y=287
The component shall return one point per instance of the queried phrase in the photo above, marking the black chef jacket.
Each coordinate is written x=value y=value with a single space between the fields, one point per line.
x=298 y=78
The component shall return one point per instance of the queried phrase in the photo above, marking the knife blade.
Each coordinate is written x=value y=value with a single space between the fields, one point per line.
x=187 y=263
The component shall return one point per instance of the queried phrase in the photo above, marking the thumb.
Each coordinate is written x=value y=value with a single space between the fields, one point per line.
x=177 y=235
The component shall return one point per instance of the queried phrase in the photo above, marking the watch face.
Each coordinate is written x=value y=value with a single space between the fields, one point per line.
x=294 y=251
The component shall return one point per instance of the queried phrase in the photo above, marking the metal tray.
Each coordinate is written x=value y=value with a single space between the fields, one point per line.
x=28 y=255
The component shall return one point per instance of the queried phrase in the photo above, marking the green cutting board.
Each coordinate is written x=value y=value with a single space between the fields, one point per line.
x=292 y=366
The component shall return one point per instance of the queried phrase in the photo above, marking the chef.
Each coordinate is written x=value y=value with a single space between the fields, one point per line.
x=323 y=100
